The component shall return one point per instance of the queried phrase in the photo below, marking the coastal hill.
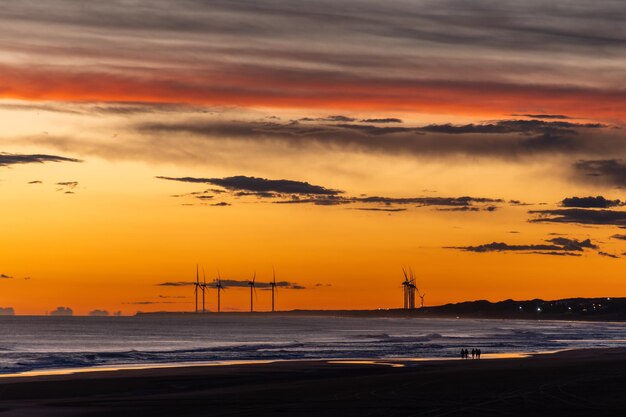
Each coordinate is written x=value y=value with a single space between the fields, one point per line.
x=596 y=309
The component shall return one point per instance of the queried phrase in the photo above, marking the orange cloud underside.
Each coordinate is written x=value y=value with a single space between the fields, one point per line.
x=275 y=89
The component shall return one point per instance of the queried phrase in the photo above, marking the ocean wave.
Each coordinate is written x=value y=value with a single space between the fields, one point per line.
x=35 y=346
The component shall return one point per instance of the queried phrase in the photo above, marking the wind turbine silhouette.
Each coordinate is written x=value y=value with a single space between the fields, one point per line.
x=196 y=285
x=252 y=285
x=273 y=286
x=421 y=297
x=220 y=287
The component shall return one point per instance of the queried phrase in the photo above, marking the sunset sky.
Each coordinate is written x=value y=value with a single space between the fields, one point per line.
x=479 y=142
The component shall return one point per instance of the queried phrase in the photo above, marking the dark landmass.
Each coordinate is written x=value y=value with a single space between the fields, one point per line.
x=592 y=309
x=573 y=383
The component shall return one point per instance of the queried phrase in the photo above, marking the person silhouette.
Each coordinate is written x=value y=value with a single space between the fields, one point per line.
x=478 y=353
x=473 y=353
x=462 y=353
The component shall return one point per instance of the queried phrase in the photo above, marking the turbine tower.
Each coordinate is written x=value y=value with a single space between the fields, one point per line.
x=204 y=288
x=220 y=287
x=412 y=288
x=406 y=284
x=273 y=286
x=195 y=287
x=252 y=285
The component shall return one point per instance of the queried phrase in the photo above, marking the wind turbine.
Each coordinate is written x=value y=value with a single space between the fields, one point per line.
x=196 y=285
x=252 y=285
x=273 y=286
x=421 y=297
x=220 y=287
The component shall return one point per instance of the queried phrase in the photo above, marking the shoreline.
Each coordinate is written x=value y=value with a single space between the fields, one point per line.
x=201 y=364
x=338 y=314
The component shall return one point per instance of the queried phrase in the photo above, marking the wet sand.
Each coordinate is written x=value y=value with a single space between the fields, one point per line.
x=574 y=383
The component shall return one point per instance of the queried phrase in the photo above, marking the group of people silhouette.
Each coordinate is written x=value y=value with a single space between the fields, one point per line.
x=466 y=353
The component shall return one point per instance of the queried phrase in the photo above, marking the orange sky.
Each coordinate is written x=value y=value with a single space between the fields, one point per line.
x=337 y=148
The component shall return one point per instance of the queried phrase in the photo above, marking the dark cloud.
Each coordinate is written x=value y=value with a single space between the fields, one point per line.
x=429 y=201
x=62 y=311
x=606 y=171
x=176 y=284
x=338 y=118
x=99 y=313
x=237 y=284
x=319 y=201
x=7 y=159
x=580 y=216
x=221 y=204
x=462 y=203
x=608 y=255
x=7 y=311
x=35 y=182
x=555 y=253
x=468 y=208
x=526 y=127
x=5 y=276
x=153 y=302
x=618 y=236
x=108 y=108
x=543 y=116
x=259 y=194
x=559 y=245
x=590 y=202
x=389 y=210
x=261 y=285
x=384 y=120
x=464 y=208
x=573 y=244
x=503 y=138
x=255 y=184
x=68 y=184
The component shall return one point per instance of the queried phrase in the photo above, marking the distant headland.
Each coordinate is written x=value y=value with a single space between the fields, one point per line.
x=592 y=309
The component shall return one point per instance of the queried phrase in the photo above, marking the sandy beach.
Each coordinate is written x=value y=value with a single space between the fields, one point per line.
x=572 y=383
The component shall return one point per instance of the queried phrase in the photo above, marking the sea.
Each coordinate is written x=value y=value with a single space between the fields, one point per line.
x=29 y=343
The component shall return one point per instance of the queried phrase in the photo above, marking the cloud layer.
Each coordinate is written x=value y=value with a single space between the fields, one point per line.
x=565 y=57
x=300 y=192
